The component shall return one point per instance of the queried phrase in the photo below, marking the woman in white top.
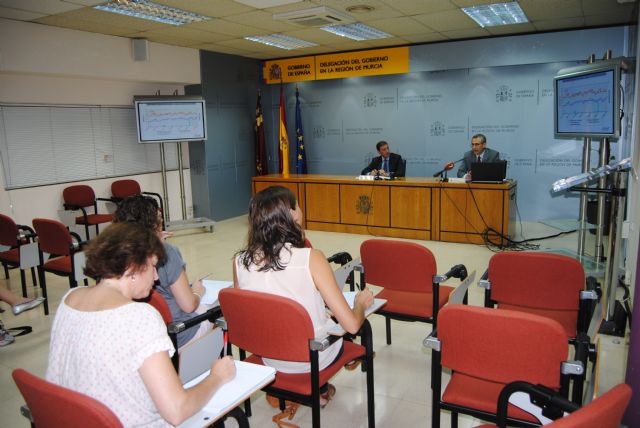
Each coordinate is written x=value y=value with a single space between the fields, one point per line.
x=116 y=350
x=275 y=261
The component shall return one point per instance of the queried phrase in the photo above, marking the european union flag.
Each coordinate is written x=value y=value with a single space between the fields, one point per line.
x=301 y=157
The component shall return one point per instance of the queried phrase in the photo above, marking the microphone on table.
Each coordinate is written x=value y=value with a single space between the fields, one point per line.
x=446 y=168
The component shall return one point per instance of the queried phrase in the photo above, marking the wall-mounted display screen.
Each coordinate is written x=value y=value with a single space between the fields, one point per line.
x=586 y=102
x=169 y=119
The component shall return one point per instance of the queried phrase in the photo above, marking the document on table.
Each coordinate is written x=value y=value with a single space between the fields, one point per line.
x=249 y=378
x=212 y=288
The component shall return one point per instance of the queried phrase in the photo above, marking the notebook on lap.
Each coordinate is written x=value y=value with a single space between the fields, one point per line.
x=488 y=172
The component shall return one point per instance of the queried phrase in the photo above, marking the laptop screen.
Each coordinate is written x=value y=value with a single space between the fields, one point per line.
x=488 y=172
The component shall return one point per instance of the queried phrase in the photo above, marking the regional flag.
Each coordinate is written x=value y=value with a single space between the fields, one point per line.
x=284 y=138
x=260 y=150
x=301 y=157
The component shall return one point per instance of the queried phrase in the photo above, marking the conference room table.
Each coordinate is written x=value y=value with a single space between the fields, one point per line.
x=413 y=207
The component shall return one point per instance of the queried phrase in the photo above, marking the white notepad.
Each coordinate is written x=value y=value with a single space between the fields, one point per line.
x=249 y=378
x=212 y=288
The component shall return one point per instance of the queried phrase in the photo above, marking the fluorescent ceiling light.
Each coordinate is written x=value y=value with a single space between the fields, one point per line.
x=281 y=41
x=356 y=31
x=491 y=15
x=145 y=9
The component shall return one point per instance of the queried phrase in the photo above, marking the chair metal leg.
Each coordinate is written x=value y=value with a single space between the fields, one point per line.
x=43 y=287
x=315 y=390
x=6 y=270
x=23 y=281
x=33 y=277
x=454 y=419
x=388 y=324
x=97 y=231
x=367 y=341
x=72 y=281
x=436 y=384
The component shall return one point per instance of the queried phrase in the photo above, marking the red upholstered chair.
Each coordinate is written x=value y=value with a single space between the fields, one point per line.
x=13 y=235
x=605 y=411
x=122 y=189
x=485 y=349
x=550 y=285
x=271 y=326
x=55 y=239
x=408 y=273
x=80 y=197
x=53 y=406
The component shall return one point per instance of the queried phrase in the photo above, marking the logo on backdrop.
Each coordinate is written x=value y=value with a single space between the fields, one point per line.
x=503 y=94
x=437 y=129
x=364 y=205
x=318 y=132
x=370 y=100
x=275 y=72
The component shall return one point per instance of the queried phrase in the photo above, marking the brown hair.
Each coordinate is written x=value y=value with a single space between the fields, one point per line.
x=138 y=209
x=119 y=247
x=271 y=226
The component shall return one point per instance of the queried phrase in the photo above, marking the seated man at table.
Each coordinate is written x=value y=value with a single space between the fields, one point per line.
x=478 y=153
x=387 y=164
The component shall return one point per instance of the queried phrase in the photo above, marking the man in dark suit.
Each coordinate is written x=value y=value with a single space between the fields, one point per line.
x=478 y=153
x=387 y=164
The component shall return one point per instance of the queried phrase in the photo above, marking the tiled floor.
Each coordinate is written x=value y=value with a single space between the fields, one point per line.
x=401 y=370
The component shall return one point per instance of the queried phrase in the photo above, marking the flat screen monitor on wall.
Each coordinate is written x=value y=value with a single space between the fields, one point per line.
x=587 y=102
x=166 y=119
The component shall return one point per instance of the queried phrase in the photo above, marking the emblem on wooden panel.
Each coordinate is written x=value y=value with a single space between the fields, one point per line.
x=364 y=205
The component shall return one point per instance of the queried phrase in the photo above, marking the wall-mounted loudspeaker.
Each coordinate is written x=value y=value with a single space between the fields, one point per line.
x=140 y=49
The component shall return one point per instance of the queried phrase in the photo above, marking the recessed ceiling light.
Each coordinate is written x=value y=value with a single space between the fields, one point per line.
x=491 y=15
x=356 y=31
x=145 y=9
x=281 y=41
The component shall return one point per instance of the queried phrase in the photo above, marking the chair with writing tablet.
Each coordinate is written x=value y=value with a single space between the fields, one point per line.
x=549 y=285
x=484 y=350
x=12 y=237
x=606 y=411
x=271 y=326
x=53 y=406
x=60 y=247
x=407 y=272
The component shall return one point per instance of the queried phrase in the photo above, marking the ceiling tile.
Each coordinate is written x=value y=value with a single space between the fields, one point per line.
x=469 y=3
x=222 y=26
x=447 y=20
x=348 y=45
x=262 y=19
x=559 y=24
x=467 y=34
x=525 y=27
x=85 y=2
x=539 y=9
x=77 y=24
x=315 y=35
x=19 y=15
x=215 y=9
x=595 y=7
x=400 y=26
x=198 y=36
x=45 y=7
x=425 y=38
x=413 y=7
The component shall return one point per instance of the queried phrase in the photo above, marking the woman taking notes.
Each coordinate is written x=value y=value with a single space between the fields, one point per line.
x=275 y=261
x=116 y=350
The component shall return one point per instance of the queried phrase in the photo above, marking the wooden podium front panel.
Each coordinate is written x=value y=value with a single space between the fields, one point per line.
x=261 y=185
x=466 y=213
x=411 y=207
x=365 y=205
x=321 y=202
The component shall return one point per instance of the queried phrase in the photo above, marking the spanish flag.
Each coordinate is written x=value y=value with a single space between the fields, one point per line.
x=284 y=138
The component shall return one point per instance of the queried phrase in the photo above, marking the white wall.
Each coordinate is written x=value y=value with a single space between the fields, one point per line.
x=49 y=65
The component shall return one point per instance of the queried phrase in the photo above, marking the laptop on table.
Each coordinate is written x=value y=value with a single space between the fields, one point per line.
x=488 y=172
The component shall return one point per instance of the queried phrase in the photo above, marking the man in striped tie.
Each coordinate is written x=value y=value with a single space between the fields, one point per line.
x=478 y=153
x=387 y=164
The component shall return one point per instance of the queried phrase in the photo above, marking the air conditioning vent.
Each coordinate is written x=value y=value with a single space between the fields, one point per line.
x=315 y=17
